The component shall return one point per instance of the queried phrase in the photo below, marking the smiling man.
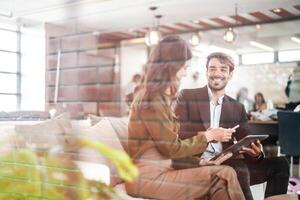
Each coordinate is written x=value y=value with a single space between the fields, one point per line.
x=209 y=107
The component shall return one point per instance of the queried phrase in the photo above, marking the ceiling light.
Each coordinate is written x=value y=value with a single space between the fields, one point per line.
x=277 y=10
x=257 y=26
x=229 y=35
x=153 y=36
x=195 y=39
x=261 y=46
x=295 y=39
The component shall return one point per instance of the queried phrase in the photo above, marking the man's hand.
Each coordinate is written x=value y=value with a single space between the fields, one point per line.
x=219 y=134
x=254 y=150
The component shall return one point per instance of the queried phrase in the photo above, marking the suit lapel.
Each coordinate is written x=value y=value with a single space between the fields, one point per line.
x=226 y=118
x=203 y=106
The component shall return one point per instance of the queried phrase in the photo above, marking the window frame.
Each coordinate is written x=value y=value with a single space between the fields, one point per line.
x=284 y=60
x=18 y=67
x=244 y=58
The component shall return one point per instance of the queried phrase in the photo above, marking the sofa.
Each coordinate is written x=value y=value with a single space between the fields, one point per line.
x=48 y=135
x=108 y=130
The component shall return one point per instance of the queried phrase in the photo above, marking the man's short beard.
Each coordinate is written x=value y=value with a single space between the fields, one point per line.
x=212 y=88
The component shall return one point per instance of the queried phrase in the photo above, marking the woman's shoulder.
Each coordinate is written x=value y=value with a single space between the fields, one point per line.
x=155 y=106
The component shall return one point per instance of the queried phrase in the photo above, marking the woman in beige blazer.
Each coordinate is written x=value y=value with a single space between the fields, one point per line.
x=153 y=136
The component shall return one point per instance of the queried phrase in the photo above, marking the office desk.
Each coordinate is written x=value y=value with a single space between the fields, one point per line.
x=265 y=127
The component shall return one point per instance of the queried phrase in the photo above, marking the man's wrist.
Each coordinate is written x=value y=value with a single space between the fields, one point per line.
x=260 y=156
x=209 y=136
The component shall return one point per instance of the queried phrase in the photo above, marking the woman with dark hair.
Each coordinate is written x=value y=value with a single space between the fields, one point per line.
x=259 y=102
x=153 y=136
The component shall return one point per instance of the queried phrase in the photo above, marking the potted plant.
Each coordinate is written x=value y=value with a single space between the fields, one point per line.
x=26 y=174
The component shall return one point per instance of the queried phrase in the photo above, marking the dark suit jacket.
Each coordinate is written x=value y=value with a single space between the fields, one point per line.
x=193 y=111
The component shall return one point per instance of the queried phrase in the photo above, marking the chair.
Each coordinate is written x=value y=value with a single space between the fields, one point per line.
x=289 y=135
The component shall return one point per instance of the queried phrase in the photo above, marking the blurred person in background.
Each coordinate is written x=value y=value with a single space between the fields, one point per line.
x=292 y=89
x=242 y=97
x=259 y=102
x=131 y=88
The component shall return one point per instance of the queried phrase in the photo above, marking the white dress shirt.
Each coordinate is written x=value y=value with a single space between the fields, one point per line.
x=215 y=114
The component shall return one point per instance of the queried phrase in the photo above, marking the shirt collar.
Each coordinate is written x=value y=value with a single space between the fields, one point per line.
x=220 y=99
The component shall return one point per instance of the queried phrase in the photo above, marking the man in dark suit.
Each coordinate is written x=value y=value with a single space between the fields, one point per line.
x=209 y=107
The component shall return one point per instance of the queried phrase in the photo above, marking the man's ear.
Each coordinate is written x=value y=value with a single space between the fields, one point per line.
x=230 y=75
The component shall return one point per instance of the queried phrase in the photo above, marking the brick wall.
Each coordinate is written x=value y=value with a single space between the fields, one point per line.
x=89 y=81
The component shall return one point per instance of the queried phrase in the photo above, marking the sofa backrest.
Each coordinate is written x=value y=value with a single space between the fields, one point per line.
x=120 y=125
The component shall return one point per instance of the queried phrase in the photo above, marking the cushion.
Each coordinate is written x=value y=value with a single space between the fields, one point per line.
x=7 y=130
x=46 y=134
x=94 y=119
x=120 y=126
x=79 y=124
x=104 y=133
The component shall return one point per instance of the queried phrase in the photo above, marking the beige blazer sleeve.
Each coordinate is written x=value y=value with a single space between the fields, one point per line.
x=163 y=127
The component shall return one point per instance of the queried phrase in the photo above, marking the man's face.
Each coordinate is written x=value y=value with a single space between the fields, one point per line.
x=218 y=74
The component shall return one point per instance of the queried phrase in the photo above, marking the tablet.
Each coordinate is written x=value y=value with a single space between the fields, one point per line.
x=245 y=142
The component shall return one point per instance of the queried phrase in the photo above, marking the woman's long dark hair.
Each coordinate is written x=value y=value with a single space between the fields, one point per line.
x=165 y=60
x=263 y=101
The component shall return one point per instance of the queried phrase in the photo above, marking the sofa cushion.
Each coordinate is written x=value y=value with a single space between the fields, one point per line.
x=94 y=119
x=79 y=124
x=104 y=133
x=46 y=134
x=120 y=126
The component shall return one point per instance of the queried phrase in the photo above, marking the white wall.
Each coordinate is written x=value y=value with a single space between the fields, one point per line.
x=133 y=57
x=270 y=79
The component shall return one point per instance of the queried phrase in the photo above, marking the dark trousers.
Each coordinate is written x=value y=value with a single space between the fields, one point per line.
x=274 y=171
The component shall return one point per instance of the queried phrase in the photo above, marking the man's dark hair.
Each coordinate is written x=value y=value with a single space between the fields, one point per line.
x=223 y=58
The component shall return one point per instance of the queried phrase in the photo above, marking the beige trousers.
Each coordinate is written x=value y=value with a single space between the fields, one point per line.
x=206 y=182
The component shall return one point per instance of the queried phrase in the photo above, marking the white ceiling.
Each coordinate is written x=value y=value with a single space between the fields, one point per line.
x=275 y=35
x=122 y=15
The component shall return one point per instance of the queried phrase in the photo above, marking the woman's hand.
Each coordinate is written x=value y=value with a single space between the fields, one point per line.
x=219 y=134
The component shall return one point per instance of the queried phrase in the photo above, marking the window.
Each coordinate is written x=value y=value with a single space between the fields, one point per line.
x=8 y=62
x=289 y=56
x=9 y=73
x=8 y=83
x=8 y=40
x=8 y=102
x=258 y=58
